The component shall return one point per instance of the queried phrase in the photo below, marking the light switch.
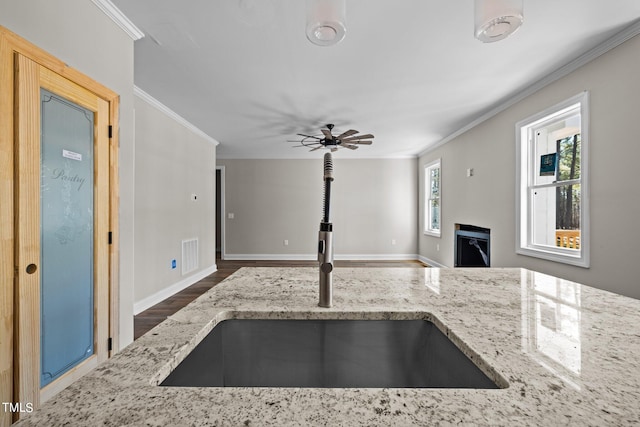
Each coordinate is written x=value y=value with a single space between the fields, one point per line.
x=230 y=215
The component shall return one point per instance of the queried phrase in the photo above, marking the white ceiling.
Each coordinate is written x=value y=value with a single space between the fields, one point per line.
x=409 y=71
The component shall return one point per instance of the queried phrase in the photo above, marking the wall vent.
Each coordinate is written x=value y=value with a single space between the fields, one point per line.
x=189 y=255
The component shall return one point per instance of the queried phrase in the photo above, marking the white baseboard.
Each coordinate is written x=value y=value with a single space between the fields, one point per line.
x=347 y=257
x=270 y=257
x=313 y=257
x=376 y=257
x=430 y=262
x=165 y=293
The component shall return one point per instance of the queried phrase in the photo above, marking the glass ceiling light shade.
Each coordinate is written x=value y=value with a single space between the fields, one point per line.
x=325 y=21
x=497 y=19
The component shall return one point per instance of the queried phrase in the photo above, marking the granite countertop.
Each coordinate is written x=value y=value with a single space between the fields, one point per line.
x=568 y=352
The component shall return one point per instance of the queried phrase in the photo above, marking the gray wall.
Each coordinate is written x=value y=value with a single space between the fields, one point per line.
x=81 y=35
x=172 y=163
x=488 y=198
x=373 y=203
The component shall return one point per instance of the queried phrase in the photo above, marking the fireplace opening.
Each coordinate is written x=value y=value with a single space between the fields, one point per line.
x=472 y=246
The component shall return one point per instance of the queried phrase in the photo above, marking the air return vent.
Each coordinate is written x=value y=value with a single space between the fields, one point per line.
x=189 y=255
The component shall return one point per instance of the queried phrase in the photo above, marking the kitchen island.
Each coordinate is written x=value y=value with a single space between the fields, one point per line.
x=562 y=353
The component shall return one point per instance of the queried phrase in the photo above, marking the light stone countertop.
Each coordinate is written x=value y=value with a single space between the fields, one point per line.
x=569 y=353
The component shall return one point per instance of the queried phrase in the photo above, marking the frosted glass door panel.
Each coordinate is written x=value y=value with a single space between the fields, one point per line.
x=66 y=235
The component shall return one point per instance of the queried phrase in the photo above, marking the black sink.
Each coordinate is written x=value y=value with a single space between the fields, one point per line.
x=327 y=353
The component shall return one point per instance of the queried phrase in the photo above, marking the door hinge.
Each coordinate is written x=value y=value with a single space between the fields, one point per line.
x=110 y=344
x=110 y=237
x=110 y=131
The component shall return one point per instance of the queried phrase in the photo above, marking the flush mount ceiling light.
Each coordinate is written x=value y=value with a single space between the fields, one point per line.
x=325 y=21
x=497 y=19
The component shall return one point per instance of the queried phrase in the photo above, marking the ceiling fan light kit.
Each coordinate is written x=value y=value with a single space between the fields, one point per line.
x=326 y=21
x=497 y=19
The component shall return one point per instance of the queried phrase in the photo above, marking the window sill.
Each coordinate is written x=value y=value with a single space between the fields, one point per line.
x=432 y=233
x=580 y=260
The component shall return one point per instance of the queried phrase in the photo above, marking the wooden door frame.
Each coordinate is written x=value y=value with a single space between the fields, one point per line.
x=10 y=44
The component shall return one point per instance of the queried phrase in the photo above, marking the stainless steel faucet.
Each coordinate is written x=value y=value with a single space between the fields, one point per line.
x=325 y=240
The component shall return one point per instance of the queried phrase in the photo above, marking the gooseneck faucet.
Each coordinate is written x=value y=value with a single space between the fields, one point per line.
x=325 y=239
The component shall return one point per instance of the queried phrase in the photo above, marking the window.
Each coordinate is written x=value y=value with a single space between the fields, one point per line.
x=552 y=149
x=432 y=198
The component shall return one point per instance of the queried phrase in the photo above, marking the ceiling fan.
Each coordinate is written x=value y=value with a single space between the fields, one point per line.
x=327 y=140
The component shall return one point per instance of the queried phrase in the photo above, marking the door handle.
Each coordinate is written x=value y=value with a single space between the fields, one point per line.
x=31 y=268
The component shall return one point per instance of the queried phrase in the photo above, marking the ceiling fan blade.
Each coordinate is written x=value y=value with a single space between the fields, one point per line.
x=327 y=134
x=361 y=142
x=308 y=136
x=355 y=138
x=317 y=148
x=351 y=147
x=347 y=133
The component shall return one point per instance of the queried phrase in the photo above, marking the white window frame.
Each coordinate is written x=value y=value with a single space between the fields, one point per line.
x=436 y=164
x=525 y=178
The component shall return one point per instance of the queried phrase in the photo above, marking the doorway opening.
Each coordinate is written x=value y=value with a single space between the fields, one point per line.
x=220 y=212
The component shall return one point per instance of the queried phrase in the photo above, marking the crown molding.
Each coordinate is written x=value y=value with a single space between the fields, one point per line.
x=172 y=114
x=119 y=18
x=609 y=44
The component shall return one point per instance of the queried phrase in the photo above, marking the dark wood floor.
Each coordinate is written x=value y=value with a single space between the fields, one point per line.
x=151 y=317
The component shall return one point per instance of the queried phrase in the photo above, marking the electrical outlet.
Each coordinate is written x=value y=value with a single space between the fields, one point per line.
x=230 y=215
x=285 y=242
x=437 y=246
x=393 y=241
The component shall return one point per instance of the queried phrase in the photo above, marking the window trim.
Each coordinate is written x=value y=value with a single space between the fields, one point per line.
x=427 y=182
x=524 y=244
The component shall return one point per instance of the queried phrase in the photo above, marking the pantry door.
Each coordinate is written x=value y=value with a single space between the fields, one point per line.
x=62 y=227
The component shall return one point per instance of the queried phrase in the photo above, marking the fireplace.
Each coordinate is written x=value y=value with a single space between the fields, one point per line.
x=472 y=246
